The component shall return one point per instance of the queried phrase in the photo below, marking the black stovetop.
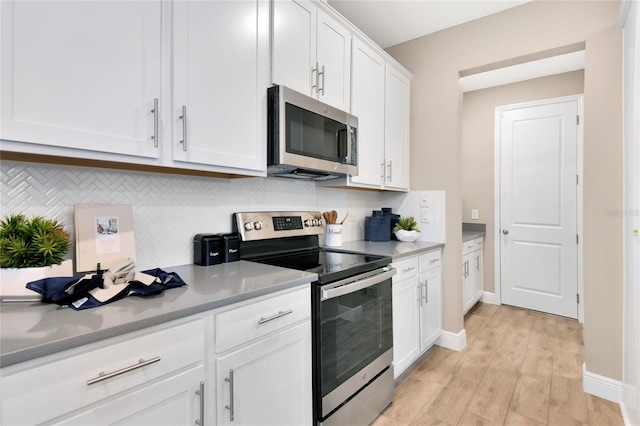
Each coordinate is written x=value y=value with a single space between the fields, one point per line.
x=330 y=265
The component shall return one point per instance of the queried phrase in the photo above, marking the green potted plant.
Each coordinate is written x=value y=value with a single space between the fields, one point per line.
x=406 y=229
x=31 y=249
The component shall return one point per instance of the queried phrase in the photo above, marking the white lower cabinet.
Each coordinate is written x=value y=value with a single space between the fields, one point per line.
x=129 y=379
x=417 y=308
x=250 y=360
x=267 y=382
x=472 y=271
x=174 y=400
x=265 y=376
x=406 y=314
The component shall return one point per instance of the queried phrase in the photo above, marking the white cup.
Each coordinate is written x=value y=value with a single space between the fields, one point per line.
x=333 y=235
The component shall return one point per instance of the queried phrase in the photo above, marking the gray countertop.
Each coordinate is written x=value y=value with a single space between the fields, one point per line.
x=471 y=235
x=394 y=249
x=31 y=330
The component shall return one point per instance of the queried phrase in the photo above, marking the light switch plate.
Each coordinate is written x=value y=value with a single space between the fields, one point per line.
x=424 y=199
x=424 y=215
x=474 y=214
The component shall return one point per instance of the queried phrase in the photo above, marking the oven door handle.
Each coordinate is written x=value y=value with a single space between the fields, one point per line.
x=343 y=287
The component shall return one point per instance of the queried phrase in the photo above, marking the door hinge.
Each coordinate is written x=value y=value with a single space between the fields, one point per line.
x=578 y=299
x=577 y=120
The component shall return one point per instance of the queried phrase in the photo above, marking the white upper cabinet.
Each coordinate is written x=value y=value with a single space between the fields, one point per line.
x=396 y=128
x=367 y=103
x=81 y=75
x=311 y=52
x=220 y=80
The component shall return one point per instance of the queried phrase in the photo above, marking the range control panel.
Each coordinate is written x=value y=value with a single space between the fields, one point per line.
x=264 y=225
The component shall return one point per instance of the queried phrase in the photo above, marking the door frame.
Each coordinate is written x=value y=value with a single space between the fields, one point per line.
x=579 y=188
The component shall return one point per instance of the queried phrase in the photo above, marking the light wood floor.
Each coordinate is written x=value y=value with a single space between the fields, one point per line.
x=519 y=368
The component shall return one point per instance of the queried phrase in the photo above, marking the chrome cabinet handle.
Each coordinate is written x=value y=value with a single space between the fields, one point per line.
x=477 y=263
x=315 y=70
x=230 y=406
x=505 y=231
x=155 y=112
x=382 y=172
x=200 y=392
x=322 y=73
x=184 y=127
x=434 y=260
x=426 y=291
x=410 y=268
x=276 y=316
x=390 y=168
x=104 y=376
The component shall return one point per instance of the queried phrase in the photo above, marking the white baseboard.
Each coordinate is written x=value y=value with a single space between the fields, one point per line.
x=489 y=298
x=453 y=341
x=601 y=386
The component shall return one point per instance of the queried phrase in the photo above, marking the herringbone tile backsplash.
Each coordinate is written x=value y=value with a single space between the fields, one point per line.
x=169 y=210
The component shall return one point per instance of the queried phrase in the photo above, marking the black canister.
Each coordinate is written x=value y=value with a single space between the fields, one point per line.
x=231 y=243
x=393 y=220
x=208 y=249
x=376 y=227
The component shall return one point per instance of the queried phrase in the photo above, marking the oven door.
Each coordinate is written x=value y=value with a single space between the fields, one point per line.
x=354 y=336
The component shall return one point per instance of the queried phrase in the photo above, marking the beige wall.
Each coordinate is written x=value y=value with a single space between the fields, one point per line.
x=436 y=111
x=478 y=140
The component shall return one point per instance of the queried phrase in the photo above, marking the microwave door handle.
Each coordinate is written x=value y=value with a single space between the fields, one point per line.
x=349 y=142
x=340 y=288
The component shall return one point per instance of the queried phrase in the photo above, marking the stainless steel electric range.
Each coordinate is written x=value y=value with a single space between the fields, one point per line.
x=351 y=312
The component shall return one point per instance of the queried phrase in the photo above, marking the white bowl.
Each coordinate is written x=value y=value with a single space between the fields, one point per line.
x=407 y=236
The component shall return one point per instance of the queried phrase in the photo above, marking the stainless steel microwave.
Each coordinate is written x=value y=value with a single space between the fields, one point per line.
x=308 y=139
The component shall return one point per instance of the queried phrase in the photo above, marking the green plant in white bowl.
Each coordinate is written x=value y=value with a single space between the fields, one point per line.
x=406 y=229
x=31 y=249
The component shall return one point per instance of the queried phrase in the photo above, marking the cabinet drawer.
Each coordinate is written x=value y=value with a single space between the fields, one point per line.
x=406 y=268
x=430 y=260
x=61 y=386
x=478 y=244
x=468 y=247
x=240 y=325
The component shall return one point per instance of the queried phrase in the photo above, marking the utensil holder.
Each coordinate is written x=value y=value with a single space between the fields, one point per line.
x=333 y=233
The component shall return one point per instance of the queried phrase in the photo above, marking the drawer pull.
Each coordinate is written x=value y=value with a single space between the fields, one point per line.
x=104 y=376
x=276 y=316
x=434 y=260
x=230 y=407
x=200 y=393
x=410 y=268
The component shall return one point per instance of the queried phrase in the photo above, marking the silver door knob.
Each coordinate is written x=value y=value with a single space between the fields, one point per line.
x=505 y=231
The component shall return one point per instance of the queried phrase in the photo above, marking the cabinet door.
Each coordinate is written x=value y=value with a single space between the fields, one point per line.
x=406 y=322
x=367 y=103
x=220 y=83
x=333 y=46
x=171 y=401
x=268 y=382
x=430 y=308
x=478 y=260
x=81 y=75
x=468 y=282
x=294 y=25
x=396 y=129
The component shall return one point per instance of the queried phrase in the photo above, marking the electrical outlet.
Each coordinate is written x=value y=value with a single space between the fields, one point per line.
x=424 y=199
x=424 y=215
x=474 y=214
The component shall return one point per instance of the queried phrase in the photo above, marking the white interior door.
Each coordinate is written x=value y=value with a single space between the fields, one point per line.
x=538 y=206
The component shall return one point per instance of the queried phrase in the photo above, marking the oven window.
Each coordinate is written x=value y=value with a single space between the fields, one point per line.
x=355 y=329
x=313 y=135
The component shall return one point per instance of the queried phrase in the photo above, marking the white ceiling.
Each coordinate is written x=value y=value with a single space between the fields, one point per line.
x=390 y=22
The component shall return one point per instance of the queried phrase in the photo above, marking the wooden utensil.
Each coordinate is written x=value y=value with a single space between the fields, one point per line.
x=345 y=218
x=334 y=216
